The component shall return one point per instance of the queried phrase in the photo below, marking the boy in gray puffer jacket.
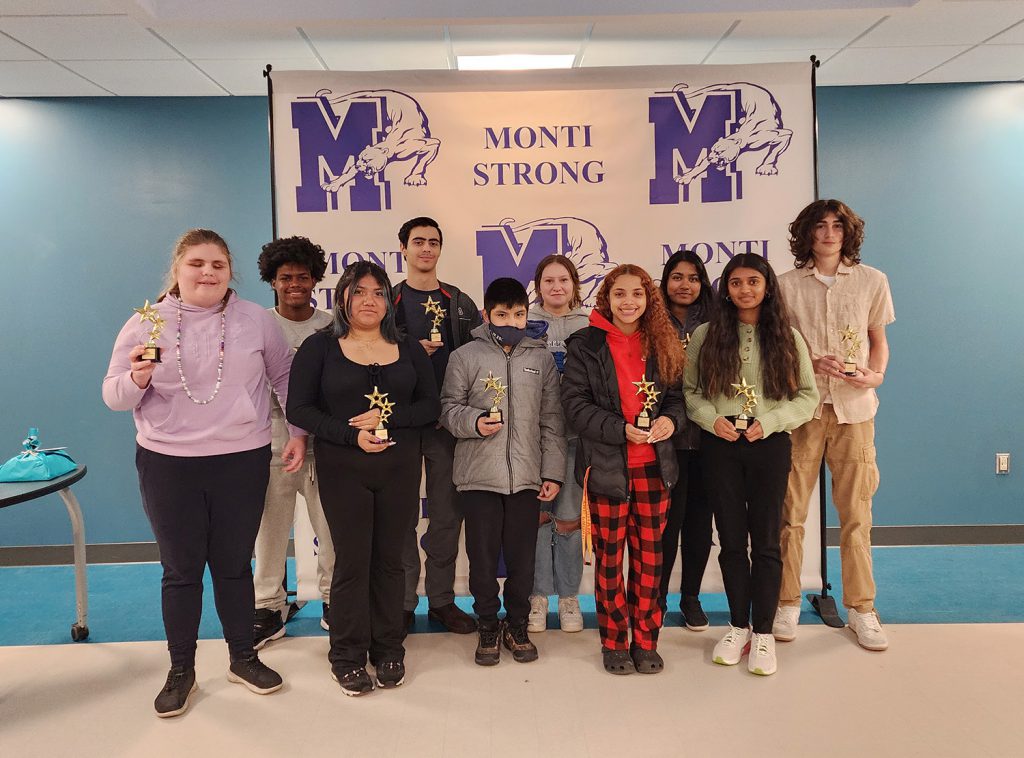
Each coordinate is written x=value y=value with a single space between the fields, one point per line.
x=504 y=467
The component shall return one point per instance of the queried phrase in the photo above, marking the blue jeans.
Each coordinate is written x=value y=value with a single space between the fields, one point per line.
x=559 y=565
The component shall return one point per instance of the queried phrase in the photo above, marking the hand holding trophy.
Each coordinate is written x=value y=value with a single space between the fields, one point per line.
x=380 y=400
x=150 y=314
x=643 y=420
x=852 y=342
x=494 y=384
x=743 y=421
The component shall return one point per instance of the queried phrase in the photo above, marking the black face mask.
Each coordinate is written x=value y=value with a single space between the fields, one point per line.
x=507 y=335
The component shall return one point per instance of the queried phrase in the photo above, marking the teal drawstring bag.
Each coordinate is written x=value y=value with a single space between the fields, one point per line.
x=37 y=464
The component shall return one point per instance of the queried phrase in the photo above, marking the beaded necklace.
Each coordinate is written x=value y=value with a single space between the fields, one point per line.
x=220 y=363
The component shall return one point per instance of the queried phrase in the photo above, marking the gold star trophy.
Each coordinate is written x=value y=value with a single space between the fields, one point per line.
x=743 y=421
x=643 y=419
x=851 y=340
x=150 y=314
x=493 y=383
x=380 y=400
x=434 y=309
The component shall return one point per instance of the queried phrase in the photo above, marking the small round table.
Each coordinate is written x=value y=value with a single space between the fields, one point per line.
x=12 y=493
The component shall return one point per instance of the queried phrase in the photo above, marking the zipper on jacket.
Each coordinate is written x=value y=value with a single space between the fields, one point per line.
x=508 y=431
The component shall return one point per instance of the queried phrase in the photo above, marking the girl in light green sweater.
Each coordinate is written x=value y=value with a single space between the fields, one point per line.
x=749 y=382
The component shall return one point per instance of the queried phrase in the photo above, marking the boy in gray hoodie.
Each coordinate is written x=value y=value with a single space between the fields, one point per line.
x=500 y=399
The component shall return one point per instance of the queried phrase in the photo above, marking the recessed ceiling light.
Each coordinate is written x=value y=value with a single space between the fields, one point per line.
x=513 y=62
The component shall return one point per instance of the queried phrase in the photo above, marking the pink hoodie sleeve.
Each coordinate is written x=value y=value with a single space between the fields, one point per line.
x=120 y=393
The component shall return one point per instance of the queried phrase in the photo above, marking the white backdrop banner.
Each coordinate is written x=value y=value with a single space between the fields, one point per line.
x=607 y=166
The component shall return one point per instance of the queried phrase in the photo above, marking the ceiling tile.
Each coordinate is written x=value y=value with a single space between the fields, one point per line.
x=226 y=43
x=793 y=31
x=42 y=79
x=381 y=47
x=1012 y=36
x=15 y=51
x=58 y=7
x=652 y=41
x=86 y=37
x=889 y=65
x=246 y=77
x=987 y=63
x=738 y=57
x=945 y=23
x=147 y=78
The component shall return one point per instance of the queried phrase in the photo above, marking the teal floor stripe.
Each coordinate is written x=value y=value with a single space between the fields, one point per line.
x=917 y=585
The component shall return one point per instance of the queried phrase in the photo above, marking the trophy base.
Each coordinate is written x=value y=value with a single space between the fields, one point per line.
x=435 y=336
x=850 y=368
x=495 y=414
x=381 y=433
x=642 y=422
x=151 y=354
x=741 y=423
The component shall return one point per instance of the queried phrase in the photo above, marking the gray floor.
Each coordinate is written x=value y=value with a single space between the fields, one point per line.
x=940 y=690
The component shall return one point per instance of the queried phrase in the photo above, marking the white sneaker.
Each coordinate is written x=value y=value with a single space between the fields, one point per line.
x=570 y=618
x=868 y=629
x=537 y=621
x=732 y=646
x=762 y=655
x=786 y=619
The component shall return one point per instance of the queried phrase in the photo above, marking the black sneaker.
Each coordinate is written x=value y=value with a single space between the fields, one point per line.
x=693 y=615
x=173 y=698
x=266 y=626
x=516 y=639
x=325 y=622
x=455 y=619
x=255 y=675
x=488 y=650
x=390 y=674
x=355 y=682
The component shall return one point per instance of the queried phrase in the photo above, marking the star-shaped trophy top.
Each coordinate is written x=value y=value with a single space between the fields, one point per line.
x=386 y=409
x=646 y=388
x=849 y=334
x=492 y=382
x=148 y=313
x=747 y=390
x=376 y=398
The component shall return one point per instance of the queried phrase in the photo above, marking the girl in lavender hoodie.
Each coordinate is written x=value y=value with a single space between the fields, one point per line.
x=203 y=451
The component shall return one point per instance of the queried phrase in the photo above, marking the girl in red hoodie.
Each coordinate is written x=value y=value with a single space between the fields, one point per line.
x=626 y=461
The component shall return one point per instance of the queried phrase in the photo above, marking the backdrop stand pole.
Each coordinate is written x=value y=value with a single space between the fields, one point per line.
x=824 y=604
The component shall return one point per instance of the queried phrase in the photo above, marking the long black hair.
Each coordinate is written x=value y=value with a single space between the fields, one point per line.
x=720 y=353
x=342 y=311
x=705 y=301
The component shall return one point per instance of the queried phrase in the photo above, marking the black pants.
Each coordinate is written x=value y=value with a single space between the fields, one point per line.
x=204 y=511
x=689 y=516
x=746 y=483
x=501 y=525
x=370 y=501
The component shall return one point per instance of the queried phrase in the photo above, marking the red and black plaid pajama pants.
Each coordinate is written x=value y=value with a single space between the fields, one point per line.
x=641 y=520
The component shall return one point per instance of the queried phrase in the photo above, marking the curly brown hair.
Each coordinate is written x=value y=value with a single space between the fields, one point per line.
x=657 y=335
x=801 y=231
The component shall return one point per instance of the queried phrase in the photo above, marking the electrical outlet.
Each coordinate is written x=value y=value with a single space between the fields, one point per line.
x=1002 y=463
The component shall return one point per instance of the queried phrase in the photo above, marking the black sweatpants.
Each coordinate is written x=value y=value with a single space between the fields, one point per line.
x=504 y=525
x=205 y=510
x=689 y=516
x=371 y=501
x=746 y=483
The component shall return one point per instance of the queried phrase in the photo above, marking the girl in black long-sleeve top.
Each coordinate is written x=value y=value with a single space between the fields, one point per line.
x=369 y=487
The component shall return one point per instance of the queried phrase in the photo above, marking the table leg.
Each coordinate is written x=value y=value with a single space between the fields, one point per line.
x=80 y=630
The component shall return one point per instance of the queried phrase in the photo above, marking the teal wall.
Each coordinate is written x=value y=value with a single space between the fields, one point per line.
x=93 y=193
